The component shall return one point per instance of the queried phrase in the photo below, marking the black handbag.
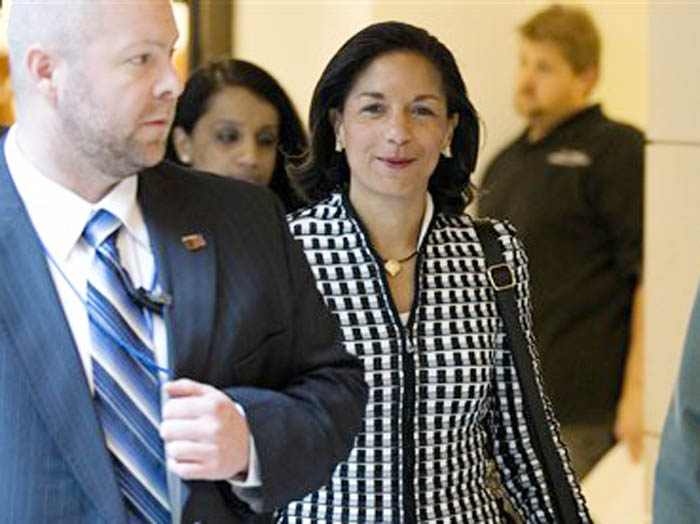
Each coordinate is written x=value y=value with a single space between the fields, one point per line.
x=502 y=280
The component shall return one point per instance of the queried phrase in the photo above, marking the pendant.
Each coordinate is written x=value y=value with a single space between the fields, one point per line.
x=393 y=267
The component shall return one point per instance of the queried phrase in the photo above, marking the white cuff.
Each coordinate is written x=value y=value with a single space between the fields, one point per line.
x=252 y=479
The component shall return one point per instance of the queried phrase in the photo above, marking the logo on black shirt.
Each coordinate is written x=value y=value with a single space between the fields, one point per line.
x=569 y=158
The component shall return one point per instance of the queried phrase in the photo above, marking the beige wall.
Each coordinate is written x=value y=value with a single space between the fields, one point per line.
x=295 y=39
x=672 y=215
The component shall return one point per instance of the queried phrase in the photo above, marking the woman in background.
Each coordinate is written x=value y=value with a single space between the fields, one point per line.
x=394 y=142
x=233 y=119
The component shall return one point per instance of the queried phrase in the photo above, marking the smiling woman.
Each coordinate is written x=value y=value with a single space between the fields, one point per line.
x=394 y=123
x=394 y=143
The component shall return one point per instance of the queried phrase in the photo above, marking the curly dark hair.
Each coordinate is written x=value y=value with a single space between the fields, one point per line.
x=210 y=79
x=323 y=170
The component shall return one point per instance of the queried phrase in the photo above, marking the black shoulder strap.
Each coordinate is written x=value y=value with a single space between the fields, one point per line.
x=502 y=279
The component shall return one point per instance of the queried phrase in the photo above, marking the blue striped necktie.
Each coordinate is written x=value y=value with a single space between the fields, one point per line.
x=127 y=392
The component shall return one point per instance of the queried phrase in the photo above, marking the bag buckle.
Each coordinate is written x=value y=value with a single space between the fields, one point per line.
x=501 y=276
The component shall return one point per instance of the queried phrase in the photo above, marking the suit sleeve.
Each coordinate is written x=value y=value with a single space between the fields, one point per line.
x=677 y=485
x=303 y=430
x=520 y=470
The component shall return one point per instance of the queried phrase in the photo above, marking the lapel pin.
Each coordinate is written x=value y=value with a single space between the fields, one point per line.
x=193 y=242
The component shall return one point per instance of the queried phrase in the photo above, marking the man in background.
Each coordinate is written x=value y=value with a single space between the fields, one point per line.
x=571 y=184
x=164 y=354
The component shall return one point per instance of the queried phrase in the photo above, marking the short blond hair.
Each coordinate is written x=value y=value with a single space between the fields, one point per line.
x=58 y=24
x=571 y=29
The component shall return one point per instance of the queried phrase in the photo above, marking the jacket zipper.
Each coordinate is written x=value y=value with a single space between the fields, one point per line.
x=408 y=363
x=407 y=427
x=408 y=360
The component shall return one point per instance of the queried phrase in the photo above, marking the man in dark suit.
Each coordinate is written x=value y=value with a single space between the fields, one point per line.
x=191 y=336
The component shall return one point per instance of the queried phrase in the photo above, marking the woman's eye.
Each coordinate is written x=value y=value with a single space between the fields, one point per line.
x=373 y=109
x=267 y=140
x=227 y=136
x=423 y=111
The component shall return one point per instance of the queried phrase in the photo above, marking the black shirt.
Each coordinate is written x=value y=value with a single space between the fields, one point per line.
x=576 y=199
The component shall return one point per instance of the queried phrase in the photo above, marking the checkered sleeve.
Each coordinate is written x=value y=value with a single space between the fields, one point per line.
x=520 y=470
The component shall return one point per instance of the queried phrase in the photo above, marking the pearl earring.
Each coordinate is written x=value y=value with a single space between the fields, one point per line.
x=339 y=146
x=447 y=151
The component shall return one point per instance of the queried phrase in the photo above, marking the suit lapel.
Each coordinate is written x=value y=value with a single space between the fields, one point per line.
x=39 y=333
x=186 y=270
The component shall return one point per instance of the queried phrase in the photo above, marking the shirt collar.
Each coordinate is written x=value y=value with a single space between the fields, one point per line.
x=427 y=217
x=428 y=213
x=591 y=111
x=59 y=215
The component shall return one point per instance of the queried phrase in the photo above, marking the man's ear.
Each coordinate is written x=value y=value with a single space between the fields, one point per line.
x=44 y=70
x=182 y=144
x=588 y=78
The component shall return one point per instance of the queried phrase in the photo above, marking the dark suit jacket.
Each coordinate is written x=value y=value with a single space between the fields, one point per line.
x=246 y=318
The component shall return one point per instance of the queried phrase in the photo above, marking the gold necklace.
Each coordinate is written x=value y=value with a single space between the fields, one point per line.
x=394 y=266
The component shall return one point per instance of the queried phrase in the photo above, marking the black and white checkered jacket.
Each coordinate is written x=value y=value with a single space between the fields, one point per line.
x=445 y=407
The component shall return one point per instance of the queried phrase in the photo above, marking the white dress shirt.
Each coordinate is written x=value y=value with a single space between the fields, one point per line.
x=427 y=217
x=59 y=217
